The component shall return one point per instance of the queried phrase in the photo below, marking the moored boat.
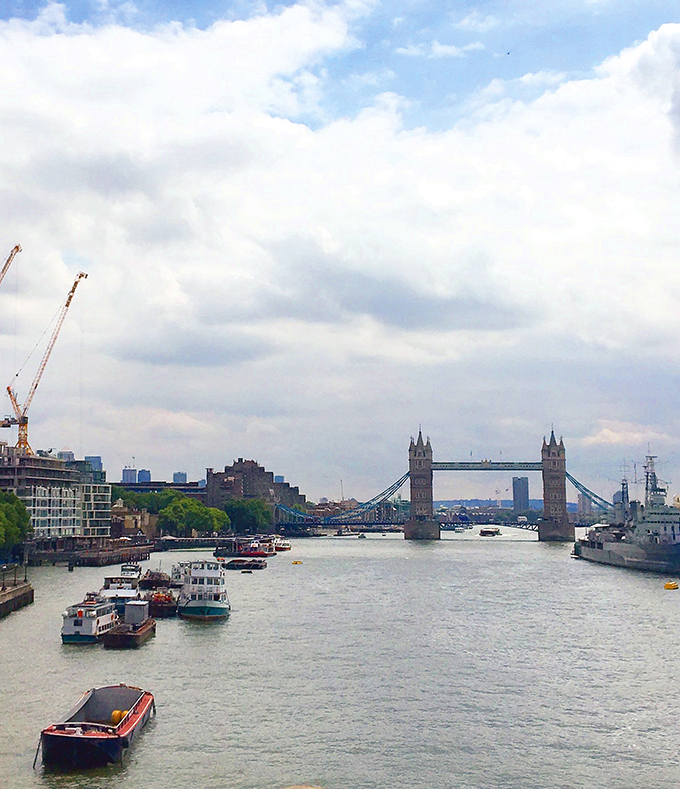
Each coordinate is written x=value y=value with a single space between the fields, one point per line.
x=204 y=593
x=99 y=729
x=88 y=621
x=154 y=579
x=245 y=564
x=162 y=603
x=120 y=589
x=281 y=544
x=131 y=570
x=643 y=537
x=257 y=548
x=490 y=531
x=137 y=628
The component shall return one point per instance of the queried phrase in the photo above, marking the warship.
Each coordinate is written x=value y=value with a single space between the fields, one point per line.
x=647 y=537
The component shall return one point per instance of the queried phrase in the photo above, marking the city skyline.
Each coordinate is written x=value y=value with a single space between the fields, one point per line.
x=311 y=227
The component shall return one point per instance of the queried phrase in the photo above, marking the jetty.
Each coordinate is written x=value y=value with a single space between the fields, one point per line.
x=77 y=551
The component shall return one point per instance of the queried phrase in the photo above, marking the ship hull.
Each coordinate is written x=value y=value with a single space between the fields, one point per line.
x=651 y=558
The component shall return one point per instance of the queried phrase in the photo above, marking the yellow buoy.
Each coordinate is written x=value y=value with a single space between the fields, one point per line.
x=297 y=562
x=670 y=585
x=116 y=716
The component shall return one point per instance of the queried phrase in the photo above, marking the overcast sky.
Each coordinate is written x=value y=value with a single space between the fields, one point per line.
x=310 y=228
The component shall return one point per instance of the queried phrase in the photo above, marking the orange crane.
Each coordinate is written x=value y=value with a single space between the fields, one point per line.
x=21 y=412
x=9 y=260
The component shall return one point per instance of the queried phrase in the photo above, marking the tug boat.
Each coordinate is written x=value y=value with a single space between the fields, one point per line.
x=162 y=603
x=137 y=628
x=99 y=729
x=89 y=621
x=204 y=593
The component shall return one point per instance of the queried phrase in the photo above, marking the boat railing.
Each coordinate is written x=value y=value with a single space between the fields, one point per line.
x=84 y=726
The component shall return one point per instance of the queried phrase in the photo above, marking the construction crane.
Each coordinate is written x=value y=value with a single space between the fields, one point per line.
x=21 y=412
x=9 y=260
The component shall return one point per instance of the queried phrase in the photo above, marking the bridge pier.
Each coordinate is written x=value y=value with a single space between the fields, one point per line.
x=421 y=525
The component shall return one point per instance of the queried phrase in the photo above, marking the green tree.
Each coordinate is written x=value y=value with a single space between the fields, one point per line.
x=186 y=515
x=15 y=522
x=248 y=516
x=152 y=502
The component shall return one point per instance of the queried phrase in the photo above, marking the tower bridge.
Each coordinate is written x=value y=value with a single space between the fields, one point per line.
x=555 y=526
x=422 y=525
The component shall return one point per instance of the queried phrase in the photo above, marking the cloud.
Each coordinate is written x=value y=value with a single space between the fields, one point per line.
x=437 y=50
x=626 y=434
x=307 y=288
x=477 y=22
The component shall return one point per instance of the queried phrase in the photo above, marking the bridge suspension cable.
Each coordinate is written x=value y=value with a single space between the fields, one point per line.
x=598 y=501
x=355 y=513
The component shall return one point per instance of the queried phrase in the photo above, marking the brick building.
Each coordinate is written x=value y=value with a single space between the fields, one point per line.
x=246 y=479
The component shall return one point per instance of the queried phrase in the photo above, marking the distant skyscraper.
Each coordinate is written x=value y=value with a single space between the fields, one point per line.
x=585 y=506
x=279 y=478
x=129 y=475
x=66 y=455
x=95 y=461
x=143 y=475
x=179 y=478
x=520 y=494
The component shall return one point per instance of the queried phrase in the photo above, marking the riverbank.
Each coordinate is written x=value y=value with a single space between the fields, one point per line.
x=14 y=597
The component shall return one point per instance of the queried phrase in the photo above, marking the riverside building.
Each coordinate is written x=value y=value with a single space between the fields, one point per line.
x=63 y=498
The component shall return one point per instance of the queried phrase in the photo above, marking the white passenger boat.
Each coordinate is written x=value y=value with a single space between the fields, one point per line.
x=204 y=592
x=132 y=571
x=177 y=574
x=120 y=589
x=87 y=622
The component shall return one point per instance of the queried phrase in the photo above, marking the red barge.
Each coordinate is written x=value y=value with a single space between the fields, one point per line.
x=99 y=729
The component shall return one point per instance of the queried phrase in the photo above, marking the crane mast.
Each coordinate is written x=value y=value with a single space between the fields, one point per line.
x=9 y=260
x=21 y=412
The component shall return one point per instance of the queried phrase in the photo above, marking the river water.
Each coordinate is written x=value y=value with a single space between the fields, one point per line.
x=374 y=664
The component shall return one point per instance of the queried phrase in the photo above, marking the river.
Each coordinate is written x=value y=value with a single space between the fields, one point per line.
x=375 y=664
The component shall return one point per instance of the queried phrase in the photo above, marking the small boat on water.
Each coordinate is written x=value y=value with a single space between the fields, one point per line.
x=177 y=574
x=88 y=621
x=137 y=628
x=120 y=588
x=490 y=531
x=204 y=592
x=154 y=579
x=99 y=729
x=245 y=564
x=258 y=548
x=281 y=544
x=162 y=603
x=131 y=570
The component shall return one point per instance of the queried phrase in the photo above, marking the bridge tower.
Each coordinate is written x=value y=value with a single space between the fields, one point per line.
x=555 y=526
x=421 y=525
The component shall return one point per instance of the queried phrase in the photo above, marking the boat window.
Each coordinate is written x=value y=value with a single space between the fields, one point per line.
x=77 y=623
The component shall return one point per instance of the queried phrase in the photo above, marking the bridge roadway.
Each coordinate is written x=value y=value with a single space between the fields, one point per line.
x=487 y=465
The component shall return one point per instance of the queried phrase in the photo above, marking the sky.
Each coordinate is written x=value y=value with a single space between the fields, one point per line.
x=310 y=228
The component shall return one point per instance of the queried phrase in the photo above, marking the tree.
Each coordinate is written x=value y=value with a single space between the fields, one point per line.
x=151 y=502
x=248 y=515
x=186 y=515
x=15 y=522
